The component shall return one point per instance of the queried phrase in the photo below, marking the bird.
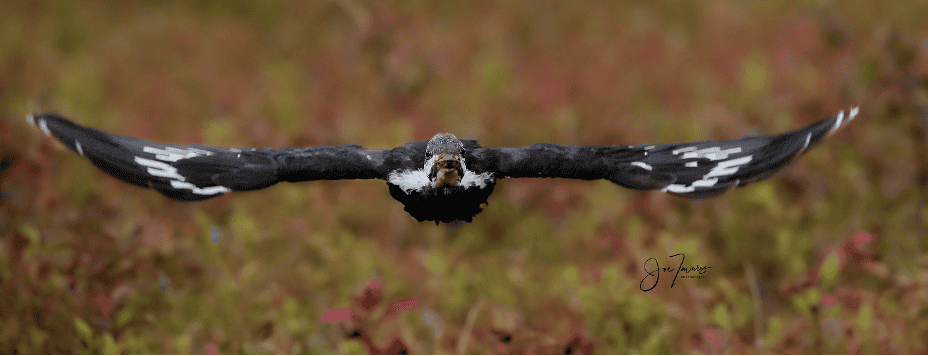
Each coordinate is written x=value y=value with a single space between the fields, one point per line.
x=444 y=179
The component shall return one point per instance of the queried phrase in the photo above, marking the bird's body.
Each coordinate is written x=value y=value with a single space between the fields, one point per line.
x=443 y=179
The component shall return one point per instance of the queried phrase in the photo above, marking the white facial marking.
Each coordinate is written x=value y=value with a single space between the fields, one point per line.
x=684 y=149
x=808 y=137
x=77 y=145
x=643 y=165
x=649 y=147
x=197 y=190
x=853 y=113
x=692 y=164
x=160 y=169
x=44 y=126
x=30 y=119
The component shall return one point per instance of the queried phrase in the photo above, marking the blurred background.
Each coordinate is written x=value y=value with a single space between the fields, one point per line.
x=829 y=256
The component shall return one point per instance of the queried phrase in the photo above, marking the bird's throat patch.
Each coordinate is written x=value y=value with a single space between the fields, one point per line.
x=447 y=170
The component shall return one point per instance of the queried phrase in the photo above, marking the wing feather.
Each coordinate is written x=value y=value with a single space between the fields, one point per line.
x=198 y=172
x=692 y=170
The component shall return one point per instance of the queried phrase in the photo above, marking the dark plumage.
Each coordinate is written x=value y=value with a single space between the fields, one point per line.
x=444 y=179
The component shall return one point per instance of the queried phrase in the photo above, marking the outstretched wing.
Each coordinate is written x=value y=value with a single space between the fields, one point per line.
x=693 y=170
x=197 y=172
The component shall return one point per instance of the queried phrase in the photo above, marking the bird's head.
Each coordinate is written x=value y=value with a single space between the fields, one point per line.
x=444 y=163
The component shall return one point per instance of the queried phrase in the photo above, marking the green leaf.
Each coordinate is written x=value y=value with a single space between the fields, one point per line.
x=83 y=330
x=865 y=318
x=639 y=310
x=830 y=270
x=355 y=347
x=182 y=344
x=775 y=330
x=571 y=274
x=123 y=316
x=30 y=232
x=109 y=345
x=754 y=76
x=720 y=316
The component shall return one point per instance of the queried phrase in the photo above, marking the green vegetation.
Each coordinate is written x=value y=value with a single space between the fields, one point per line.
x=830 y=256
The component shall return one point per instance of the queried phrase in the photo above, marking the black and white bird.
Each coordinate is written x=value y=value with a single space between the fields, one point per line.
x=443 y=179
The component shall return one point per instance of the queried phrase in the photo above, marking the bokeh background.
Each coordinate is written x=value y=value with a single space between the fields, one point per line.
x=830 y=256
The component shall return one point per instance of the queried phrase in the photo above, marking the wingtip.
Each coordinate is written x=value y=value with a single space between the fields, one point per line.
x=39 y=122
x=44 y=126
x=843 y=120
x=853 y=113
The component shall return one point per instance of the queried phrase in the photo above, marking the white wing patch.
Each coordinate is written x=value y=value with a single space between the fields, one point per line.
x=173 y=154
x=44 y=126
x=197 y=190
x=643 y=165
x=712 y=153
x=678 y=188
x=728 y=167
x=850 y=116
x=838 y=122
x=472 y=179
x=705 y=182
x=160 y=169
x=410 y=180
x=418 y=179
x=721 y=169
x=164 y=170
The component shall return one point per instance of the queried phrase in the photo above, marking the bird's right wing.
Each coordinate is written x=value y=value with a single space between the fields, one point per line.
x=198 y=172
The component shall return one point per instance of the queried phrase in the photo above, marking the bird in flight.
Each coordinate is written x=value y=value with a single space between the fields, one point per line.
x=442 y=179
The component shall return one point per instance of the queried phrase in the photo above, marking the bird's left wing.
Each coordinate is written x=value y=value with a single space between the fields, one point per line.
x=198 y=172
x=692 y=170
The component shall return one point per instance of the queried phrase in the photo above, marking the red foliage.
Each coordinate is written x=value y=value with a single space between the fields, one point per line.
x=360 y=323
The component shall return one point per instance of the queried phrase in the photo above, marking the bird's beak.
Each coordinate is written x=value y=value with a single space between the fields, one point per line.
x=446 y=170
